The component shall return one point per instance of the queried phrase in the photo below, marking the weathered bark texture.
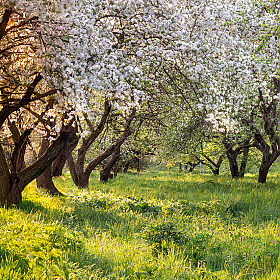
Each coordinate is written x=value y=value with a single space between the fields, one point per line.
x=15 y=177
x=268 y=158
x=105 y=173
x=11 y=188
x=19 y=152
x=60 y=161
x=79 y=173
x=270 y=149
x=8 y=109
x=4 y=178
x=233 y=165
x=4 y=22
x=232 y=154
x=44 y=181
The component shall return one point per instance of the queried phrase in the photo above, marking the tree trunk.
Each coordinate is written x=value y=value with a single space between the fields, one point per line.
x=233 y=165
x=60 y=161
x=126 y=167
x=263 y=171
x=45 y=181
x=138 y=165
x=11 y=190
x=105 y=173
x=232 y=155
x=79 y=173
x=72 y=169
x=83 y=181
x=192 y=167
x=4 y=179
x=244 y=162
x=214 y=167
x=82 y=175
x=267 y=161
x=216 y=171
x=117 y=168
x=180 y=167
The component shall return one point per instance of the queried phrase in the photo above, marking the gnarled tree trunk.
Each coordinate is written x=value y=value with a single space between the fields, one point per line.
x=44 y=181
x=192 y=166
x=233 y=165
x=105 y=173
x=214 y=166
x=77 y=171
x=244 y=162
x=13 y=182
x=268 y=158
x=125 y=170
x=180 y=167
x=232 y=154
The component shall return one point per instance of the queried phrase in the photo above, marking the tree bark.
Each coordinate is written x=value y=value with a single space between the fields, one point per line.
x=192 y=166
x=214 y=167
x=244 y=162
x=7 y=110
x=82 y=179
x=72 y=169
x=4 y=179
x=105 y=173
x=4 y=22
x=270 y=116
x=44 y=181
x=232 y=154
x=11 y=190
x=267 y=160
x=216 y=171
x=138 y=165
x=81 y=175
x=60 y=161
x=233 y=165
x=19 y=152
x=126 y=167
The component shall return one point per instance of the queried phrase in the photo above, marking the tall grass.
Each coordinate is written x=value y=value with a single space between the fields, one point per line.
x=150 y=226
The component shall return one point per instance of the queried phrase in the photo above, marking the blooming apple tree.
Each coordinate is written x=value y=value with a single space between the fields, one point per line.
x=226 y=64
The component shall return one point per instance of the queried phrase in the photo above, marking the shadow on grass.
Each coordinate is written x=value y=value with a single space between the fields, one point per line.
x=12 y=266
x=80 y=223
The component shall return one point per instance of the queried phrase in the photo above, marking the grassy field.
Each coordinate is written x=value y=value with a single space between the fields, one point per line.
x=150 y=226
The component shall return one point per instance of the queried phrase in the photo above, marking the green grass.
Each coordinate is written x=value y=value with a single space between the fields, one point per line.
x=150 y=226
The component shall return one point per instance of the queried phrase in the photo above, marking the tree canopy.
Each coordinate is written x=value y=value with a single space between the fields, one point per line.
x=203 y=75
